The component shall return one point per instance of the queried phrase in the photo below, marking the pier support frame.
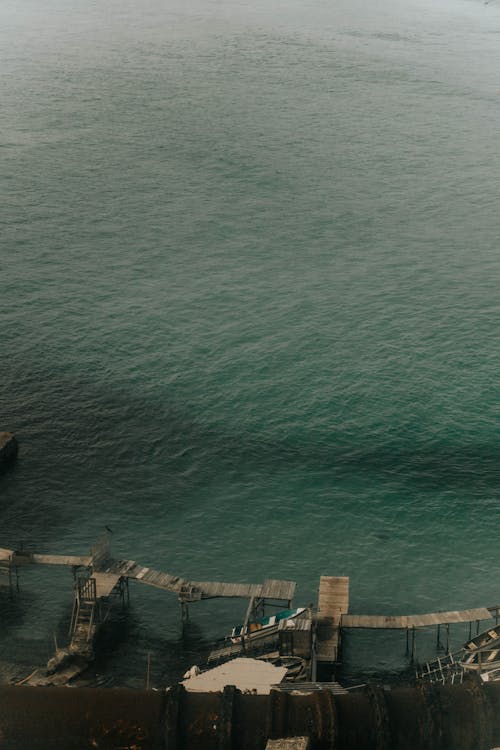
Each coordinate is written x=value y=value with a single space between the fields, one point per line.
x=184 y=611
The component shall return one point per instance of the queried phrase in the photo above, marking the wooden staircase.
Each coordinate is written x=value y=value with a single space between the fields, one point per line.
x=84 y=618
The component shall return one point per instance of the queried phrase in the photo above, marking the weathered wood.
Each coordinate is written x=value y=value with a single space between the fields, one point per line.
x=333 y=603
x=226 y=652
x=280 y=590
x=69 y=560
x=105 y=584
x=333 y=598
x=196 y=590
x=401 y=622
x=289 y=743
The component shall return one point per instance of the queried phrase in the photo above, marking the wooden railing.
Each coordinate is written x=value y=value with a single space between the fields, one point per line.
x=87 y=589
x=100 y=552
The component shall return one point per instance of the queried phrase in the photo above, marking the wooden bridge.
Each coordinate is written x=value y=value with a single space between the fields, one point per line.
x=100 y=580
x=107 y=572
x=333 y=618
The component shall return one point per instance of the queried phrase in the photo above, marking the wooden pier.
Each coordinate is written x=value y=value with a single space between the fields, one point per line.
x=406 y=622
x=100 y=581
x=411 y=623
x=100 y=562
x=333 y=604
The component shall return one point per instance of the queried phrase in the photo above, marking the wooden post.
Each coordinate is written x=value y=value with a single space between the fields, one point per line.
x=438 y=636
x=413 y=644
x=314 y=662
x=245 y=622
x=11 y=594
x=249 y=611
x=470 y=630
x=447 y=637
x=148 y=672
x=407 y=641
x=184 y=612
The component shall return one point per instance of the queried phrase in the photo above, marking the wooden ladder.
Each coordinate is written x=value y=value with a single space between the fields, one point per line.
x=85 y=607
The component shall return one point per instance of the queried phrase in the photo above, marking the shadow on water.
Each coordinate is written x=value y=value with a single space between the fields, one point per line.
x=83 y=437
x=84 y=444
x=13 y=609
x=8 y=467
x=164 y=658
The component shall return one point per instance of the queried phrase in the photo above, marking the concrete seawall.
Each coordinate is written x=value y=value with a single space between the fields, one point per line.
x=462 y=717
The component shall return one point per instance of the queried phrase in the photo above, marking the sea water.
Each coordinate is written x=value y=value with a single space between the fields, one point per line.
x=249 y=310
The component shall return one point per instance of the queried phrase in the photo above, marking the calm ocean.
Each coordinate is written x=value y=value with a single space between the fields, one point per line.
x=249 y=309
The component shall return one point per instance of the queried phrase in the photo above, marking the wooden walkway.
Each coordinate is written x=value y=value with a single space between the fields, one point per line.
x=105 y=584
x=191 y=591
x=100 y=579
x=405 y=622
x=187 y=591
x=333 y=604
x=69 y=560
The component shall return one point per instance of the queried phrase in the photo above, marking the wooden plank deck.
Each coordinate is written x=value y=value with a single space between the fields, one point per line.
x=280 y=590
x=190 y=590
x=333 y=598
x=212 y=590
x=402 y=622
x=105 y=584
x=193 y=590
x=78 y=560
x=152 y=577
x=333 y=603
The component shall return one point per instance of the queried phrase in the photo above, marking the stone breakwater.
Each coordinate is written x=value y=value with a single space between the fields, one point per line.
x=8 y=447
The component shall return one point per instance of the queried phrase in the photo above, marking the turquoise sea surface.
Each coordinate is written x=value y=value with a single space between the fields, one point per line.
x=249 y=310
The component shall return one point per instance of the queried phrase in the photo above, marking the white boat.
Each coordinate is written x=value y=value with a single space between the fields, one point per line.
x=265 y=625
